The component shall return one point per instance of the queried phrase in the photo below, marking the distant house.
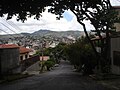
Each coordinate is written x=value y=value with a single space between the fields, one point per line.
x=68 y=40
x=9 y=59
x=35 y=46
x=53 y=44
x=24 y=53
x=44 y=58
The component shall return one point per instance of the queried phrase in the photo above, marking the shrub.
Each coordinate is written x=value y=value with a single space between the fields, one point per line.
x=49 y=63
x=81 y=55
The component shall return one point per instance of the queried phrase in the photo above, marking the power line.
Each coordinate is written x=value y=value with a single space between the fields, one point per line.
x=13 y=25
x=8 y=28
x=4 y=31
x=7 y=33
x=7 y=23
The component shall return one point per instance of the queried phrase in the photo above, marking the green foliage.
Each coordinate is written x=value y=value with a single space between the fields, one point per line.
x=27 y=8
x=49 y=63
x=46 y=52
x=37 y=53
x=81 y=53
x=58 y=52
x=98 y=44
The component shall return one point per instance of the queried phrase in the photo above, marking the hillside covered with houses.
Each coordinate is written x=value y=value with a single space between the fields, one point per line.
x=20 y=49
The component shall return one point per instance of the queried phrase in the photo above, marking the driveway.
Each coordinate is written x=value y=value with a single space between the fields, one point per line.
x=61 y=78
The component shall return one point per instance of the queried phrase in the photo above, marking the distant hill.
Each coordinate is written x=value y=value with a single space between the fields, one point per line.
x=47 y=33
x=58 y=33
x=25 y=34
x=41 y=32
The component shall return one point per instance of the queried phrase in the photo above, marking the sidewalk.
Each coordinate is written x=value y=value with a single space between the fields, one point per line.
x=112 y=81
x=33 y=69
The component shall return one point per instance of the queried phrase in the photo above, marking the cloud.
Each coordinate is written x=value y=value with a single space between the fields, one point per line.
x=115 y=2
x=47 y=21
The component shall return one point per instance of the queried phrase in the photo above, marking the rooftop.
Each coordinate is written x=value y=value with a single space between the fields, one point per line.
x=24 y=50
x=10 y=46
x=3 y=46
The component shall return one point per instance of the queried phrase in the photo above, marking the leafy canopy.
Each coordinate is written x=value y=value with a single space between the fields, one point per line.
x=27 y=8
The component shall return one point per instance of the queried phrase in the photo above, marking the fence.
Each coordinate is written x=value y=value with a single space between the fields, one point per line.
x=28 y=62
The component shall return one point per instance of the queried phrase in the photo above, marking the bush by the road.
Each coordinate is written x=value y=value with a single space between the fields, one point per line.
x=49 y=64
x=81 y=55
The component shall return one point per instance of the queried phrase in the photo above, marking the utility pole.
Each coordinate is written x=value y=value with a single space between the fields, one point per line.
x=42 y=52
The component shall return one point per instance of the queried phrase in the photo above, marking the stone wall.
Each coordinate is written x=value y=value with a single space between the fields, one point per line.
x=9 y=60
x=115 y=55
x=28 y=62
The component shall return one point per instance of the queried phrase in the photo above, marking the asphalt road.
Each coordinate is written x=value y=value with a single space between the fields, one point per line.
x=61 y=78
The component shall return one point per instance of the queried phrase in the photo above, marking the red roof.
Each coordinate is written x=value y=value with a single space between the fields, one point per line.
x=24 y=50
x=8 y=46
x=21 y=49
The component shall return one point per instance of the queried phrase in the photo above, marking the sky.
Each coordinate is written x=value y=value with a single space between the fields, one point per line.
x=47 y=21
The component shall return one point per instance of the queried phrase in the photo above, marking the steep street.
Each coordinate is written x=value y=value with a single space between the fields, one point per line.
x=61 y=78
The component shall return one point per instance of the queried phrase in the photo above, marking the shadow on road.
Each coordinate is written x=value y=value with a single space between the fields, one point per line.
x=61 y=78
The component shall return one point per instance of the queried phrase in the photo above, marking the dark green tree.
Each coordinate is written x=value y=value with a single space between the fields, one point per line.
x=58 y=52
x=81 y=55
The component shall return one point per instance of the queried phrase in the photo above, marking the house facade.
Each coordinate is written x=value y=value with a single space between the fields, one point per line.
x=114 y=46
x=115 y=55
x=11 y=56
x=24 y=53
x=9 y=59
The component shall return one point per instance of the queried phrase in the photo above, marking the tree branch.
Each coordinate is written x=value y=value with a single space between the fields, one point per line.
x=84 y=27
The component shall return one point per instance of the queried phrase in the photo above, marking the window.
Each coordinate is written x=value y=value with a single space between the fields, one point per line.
x=26 y=56
x=21 y=57
x=116 y=58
